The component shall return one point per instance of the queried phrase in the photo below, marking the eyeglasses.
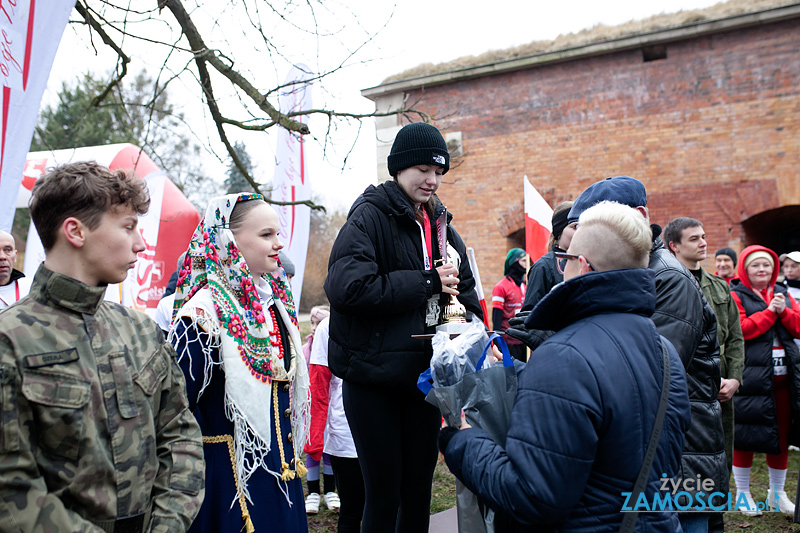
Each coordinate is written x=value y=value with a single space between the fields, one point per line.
x=562 y=258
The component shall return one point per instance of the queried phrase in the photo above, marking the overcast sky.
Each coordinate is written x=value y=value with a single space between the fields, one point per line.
x=408 y=34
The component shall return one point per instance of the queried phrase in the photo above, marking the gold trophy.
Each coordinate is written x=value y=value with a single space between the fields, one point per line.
x=454 y=317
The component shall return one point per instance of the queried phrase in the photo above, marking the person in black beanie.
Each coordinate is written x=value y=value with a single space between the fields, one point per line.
x=725 y=261
x=544 y=275
x=383 y=286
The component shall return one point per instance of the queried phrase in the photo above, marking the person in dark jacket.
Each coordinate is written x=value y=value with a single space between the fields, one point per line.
x=384 y=287
x=587 y=401
x=686 y=239
x=767 y=406
x=544 y=275
x=683 y=316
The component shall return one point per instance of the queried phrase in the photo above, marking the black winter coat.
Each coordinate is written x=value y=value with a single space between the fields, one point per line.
x=378 y=289
x=756 y=425
x=684 y=317
x=543 y=276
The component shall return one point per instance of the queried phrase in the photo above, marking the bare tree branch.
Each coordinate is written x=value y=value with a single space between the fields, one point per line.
x=207 y=55
x=120 y=18
x=123 y=58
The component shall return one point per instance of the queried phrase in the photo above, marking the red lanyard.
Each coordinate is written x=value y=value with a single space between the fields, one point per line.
x=427 y=232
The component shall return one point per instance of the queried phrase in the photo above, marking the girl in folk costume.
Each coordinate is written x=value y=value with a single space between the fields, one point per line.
x=235 y=332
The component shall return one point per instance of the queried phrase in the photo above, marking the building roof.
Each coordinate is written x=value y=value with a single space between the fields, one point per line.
x=599 y=39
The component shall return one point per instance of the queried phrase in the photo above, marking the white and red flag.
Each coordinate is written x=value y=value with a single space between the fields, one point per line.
x=291 y=180
x=30 y=31
x=538 y=222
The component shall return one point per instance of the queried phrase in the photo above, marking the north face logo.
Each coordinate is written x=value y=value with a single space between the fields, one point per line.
x=439 y=159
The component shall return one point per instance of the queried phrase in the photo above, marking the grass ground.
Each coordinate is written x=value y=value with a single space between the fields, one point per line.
x=759 y=484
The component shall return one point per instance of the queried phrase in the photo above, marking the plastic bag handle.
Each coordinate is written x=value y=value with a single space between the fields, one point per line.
x=507 y=360
x=424 y=381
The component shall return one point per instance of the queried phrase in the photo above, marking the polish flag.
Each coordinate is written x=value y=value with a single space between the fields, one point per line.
x=538 y=222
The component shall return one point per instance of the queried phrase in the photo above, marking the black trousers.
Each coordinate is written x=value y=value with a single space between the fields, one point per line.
x=395 y=432
x=351 y=493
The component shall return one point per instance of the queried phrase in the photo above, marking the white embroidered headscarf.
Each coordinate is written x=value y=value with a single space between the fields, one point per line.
x=244 y=332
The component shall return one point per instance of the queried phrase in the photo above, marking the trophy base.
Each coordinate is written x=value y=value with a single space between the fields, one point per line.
x=454 y=328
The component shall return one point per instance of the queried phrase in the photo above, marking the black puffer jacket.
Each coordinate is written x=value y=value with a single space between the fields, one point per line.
x=756 y=424
x=684 y=317
x=378 y=289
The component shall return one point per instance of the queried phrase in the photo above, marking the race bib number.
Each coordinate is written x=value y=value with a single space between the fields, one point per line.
x=779 y=362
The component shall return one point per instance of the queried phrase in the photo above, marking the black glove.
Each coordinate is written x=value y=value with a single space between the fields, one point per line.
x=445 y=434
x=531 y=337
x=518 y=320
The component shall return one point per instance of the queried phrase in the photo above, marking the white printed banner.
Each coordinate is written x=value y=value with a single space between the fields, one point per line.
x=30 y=31
x=291 y=182
x=136 y=287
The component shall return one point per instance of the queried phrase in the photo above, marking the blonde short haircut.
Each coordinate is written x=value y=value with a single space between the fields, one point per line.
x=613 y=236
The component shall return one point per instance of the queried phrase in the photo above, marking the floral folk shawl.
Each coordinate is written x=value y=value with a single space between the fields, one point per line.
x=218 y=294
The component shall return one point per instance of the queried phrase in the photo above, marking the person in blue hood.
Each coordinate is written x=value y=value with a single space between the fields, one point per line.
x=587 y=401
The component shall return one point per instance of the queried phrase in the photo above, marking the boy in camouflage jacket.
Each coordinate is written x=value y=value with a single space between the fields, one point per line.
x=95 y=434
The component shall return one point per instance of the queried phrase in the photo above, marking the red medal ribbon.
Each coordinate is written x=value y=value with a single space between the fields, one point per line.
x=427 y=231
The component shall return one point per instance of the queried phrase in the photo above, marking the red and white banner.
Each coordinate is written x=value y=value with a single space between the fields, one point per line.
x=166 y=227
x=30 y=31
x=538 y=222
x=291 y=181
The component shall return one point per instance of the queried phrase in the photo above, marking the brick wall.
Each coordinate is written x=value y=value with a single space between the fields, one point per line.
x=713 y=131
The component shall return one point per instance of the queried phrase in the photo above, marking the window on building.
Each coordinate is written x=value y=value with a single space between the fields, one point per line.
x=654 y=53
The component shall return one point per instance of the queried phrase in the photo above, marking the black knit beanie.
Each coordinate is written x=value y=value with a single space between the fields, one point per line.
x=727 y=251
x=418 y=144
x=559 y=222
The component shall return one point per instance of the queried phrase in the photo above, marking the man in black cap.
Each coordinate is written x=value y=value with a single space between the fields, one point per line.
x=684 y=317
x=725 y=261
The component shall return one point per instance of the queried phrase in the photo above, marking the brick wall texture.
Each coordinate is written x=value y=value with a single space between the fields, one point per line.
x=713 y=131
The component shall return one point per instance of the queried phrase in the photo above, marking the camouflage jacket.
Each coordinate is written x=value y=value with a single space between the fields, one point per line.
x=94 y=424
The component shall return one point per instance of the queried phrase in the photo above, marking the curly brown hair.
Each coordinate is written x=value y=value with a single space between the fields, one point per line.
x=86 y=191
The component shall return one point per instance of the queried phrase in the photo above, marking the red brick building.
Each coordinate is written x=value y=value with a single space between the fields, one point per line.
x=706 y=114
